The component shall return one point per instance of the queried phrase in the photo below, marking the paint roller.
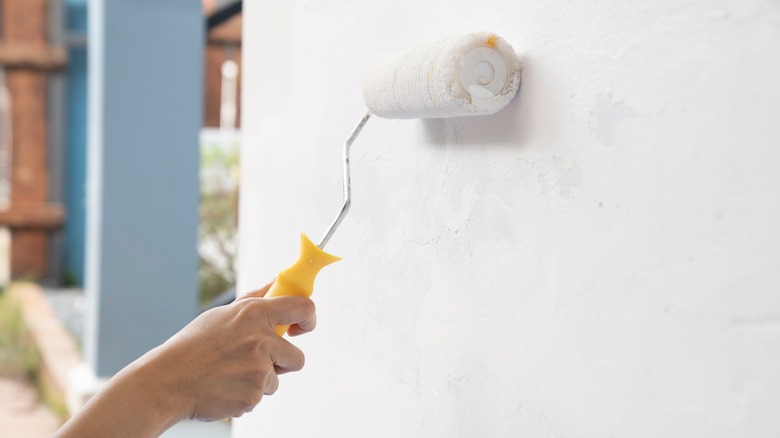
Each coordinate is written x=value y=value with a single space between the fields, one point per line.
x=475 y=74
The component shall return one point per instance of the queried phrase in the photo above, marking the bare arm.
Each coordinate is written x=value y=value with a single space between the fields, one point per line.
x=219 y=366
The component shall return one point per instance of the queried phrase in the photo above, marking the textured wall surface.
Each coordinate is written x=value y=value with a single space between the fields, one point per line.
x=599 y=259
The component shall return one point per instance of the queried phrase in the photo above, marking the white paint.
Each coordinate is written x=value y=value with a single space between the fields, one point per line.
x=599 y=259
x=434 y=79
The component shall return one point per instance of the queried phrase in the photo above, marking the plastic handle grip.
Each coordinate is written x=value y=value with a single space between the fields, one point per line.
x=298 y=279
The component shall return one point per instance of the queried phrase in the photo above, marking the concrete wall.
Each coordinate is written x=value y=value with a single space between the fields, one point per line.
x=599 y=259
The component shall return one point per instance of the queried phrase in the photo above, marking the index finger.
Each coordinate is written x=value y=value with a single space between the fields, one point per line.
x=258 y=293
x=302 y=328
x=289 y=310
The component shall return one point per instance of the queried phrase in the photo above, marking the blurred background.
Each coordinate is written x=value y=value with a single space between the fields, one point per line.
x=183 y=60
x=43 y=145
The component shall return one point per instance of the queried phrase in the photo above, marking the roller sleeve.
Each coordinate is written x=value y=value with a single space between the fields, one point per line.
x=476 y=74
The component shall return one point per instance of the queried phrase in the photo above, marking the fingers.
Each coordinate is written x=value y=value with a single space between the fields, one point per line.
x=302 y=328
x=259 y=293
x=286 y=357
x=303 y=320
x=272 y=384
x=289 y=311
x=264 y=315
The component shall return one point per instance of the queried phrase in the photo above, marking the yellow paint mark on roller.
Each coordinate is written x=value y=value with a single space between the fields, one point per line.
x=492 y=41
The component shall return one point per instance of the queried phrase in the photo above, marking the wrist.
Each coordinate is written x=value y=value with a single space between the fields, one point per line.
x=156 y=389
x=139 y=401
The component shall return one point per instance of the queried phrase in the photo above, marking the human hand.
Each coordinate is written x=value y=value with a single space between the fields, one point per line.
x=220 y=365
x=228 y=358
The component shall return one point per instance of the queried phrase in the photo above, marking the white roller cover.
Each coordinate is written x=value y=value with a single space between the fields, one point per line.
x=468 y=75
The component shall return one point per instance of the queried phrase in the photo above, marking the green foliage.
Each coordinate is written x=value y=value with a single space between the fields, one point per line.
x=212 y=280
x=218 y=219
x=18 y=355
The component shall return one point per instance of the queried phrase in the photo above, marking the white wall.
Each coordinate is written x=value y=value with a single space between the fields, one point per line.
x=600 y=259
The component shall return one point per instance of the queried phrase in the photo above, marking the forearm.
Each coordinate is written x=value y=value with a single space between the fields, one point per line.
x=137 y=402
x=220 y=365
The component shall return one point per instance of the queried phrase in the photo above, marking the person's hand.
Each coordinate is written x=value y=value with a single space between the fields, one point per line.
x=220 y=365
x=225 y=360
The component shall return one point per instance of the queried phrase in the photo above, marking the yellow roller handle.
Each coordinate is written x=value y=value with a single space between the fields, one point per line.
x=298 y=279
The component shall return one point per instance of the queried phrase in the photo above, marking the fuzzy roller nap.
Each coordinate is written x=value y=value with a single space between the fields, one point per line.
x=469 y=75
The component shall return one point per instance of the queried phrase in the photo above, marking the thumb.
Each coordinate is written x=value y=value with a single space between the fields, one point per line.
x=259 y=293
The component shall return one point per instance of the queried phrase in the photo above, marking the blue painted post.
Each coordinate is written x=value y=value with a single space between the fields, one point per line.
x=144 y=114
x=75 y=140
